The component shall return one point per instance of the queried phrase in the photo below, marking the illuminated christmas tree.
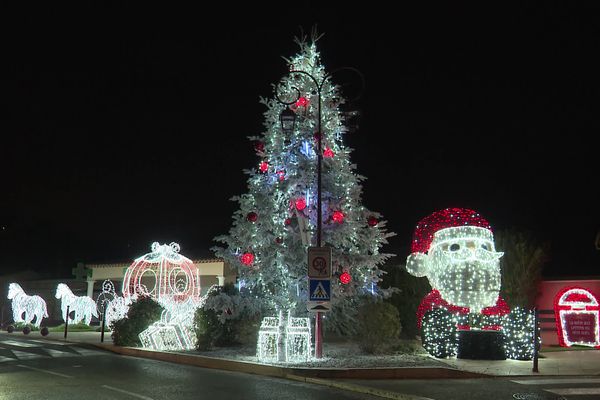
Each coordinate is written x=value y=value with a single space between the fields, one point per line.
x=277 y=218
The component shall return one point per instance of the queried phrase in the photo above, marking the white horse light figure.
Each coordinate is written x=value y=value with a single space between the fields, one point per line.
x=83 y=306
x=32 y=306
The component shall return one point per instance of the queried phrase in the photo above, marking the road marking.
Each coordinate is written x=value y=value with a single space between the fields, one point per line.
x=557 y=381
x=44 y=371
x=53 y=342
x=85 y=352
x=21 y=355
x=139 y=396
x=58 y=353
x=19 y=344
x=574 y=391
x=4 y=359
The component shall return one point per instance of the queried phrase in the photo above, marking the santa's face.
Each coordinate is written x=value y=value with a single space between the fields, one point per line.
x=464 y=266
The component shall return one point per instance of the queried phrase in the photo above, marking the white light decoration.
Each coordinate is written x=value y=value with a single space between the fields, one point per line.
x=83 y=307
x=117 y=308
x=268 y=348
x=440 y=336
x=174 y=282
x=162 y=273
x=463 y=266
x=577 y=317
x=284 y=339
x=297 y=340
x=108 y=293
x=518 y=330
x=26 y=308
x=169 y=334
x=454 y=248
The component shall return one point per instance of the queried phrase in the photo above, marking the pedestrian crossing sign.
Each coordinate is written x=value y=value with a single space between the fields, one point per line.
x=320 y=289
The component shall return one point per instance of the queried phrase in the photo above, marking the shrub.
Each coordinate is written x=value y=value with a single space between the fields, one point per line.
x=79 y=327
x=407 y=299
x=10 y=329
x=44 y=331
x=225 y=320
x=142 y=312
x=208 y=328
x=21 y=325
x=378 y=327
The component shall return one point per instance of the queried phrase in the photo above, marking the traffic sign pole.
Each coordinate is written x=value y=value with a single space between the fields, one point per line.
x=319 y=266
x=318 y=336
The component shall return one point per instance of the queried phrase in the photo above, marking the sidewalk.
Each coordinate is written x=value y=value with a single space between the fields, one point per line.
x=374 y=381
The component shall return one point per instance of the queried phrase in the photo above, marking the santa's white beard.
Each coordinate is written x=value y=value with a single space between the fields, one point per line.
x=471 y=283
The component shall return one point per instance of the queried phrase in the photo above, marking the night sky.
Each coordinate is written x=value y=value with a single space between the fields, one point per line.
x=128 y=126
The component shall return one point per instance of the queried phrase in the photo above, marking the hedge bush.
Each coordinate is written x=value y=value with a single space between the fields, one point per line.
x=378 y=327
x=142 y=312
x=225 y=320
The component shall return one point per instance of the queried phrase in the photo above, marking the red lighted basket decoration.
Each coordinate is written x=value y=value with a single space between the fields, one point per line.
x=577 y=317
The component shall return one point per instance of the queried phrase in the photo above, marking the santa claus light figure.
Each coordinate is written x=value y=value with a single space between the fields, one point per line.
x=454 y=248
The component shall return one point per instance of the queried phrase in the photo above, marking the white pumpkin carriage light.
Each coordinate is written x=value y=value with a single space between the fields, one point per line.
x=162 y=274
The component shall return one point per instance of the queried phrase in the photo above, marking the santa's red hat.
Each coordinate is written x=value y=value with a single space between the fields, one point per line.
x=447 y=218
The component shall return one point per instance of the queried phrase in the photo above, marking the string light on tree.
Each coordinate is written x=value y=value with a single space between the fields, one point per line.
x=289 y=215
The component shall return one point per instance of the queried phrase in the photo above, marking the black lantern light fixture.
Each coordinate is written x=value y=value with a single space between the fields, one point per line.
x=288 y=120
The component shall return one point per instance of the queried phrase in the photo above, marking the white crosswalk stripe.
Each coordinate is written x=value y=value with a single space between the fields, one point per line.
x=21 y=355
x=20 y=344
x=576 y=386
x=5 y=359
x=57 y=353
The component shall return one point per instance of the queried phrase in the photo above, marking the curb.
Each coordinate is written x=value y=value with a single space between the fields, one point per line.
x=357 y=388
x=300 y=373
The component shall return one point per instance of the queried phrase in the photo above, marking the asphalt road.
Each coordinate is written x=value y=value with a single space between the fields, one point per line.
x=500 y=388
x=37 y=370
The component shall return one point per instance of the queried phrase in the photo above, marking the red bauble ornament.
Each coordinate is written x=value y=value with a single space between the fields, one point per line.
x=281 y=174
x=264 y=166
x=302 y=102
x=345 y=278
x=372 y=221
x=278 y=240
x=328 y=153
x=338 y=217
x=252 y=216
x=259 y=146
x=287 y=221
x=317 y=136
x=300 y=204
x=247 y=259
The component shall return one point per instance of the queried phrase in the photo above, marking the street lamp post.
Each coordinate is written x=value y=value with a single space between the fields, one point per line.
x=285 y=118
